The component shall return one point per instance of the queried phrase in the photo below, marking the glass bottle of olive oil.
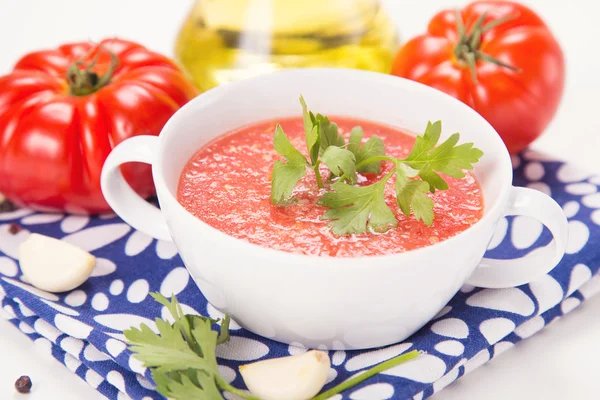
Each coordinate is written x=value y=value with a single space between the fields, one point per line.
x=226 y=40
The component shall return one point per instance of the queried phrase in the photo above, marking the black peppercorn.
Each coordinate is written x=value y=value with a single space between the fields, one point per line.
x=14 y=228
x=23 y=384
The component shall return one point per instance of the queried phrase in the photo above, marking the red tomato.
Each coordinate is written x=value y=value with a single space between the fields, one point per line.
x=505 y=64
x=63 y=110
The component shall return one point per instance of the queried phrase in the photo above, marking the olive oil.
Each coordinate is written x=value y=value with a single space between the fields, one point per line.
x=227 y=40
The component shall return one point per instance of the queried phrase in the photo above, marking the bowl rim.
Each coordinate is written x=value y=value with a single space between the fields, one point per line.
x=220 y=92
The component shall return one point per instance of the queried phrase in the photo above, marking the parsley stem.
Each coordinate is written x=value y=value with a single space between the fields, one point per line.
x=368 y=374
x=318 y=174
x=388 y=176
x=373 y=159
x=223 y=385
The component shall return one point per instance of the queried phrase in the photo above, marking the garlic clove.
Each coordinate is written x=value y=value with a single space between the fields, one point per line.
x=298 y=377
x=53 y=265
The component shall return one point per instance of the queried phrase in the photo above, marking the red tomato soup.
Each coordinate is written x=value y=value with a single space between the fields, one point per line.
x=227 y=185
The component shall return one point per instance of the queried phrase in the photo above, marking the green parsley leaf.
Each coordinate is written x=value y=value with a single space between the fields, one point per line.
x=411 y=195
x=425 y=142
x=341 y=162
x=167 y=349
x=286 y=175
x=355 y=139
x=447 y=158
x=186 y=323
x=307 y=116
x=224 y=331
x=209 y=386
x=173 y=306
x=374 y=147
x=451 y=160
x=313 y=140
x=284 y=147
x=313 y=143
x=182 y=355
x=181 y=386
x=354 y=209
x=433 y=179
x=328 y=133
x=320 y=133
x=203 y=333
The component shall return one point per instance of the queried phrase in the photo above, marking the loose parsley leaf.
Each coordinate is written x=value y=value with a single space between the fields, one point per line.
x=185 y=322
x=209 y=386
x=203 y=333
x=286 y=175
x=184 y=374
x=354 y=209
x=181 y=321
x=224 y=331
x=181 y=355
x=180 y=386
x=341 y=162
x=167 y=349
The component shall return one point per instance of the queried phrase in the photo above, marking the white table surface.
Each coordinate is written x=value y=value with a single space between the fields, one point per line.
x=558 y=363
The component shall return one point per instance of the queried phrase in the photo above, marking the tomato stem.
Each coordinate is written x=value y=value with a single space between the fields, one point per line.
x=83 y=80
x=467 y=50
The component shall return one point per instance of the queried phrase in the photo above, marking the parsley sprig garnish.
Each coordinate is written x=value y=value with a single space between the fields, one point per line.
x=324 y=144
x=357 y=209
x=182 y=356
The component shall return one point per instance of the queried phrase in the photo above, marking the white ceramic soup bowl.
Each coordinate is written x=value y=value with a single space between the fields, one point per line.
x=339 y=303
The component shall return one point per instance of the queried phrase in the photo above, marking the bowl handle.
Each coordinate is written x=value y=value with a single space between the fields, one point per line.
x=509 y=273
x=124 y=201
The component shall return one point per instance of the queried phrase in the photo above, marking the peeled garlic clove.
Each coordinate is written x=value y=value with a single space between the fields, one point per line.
x=298 y=377
x=53 y=265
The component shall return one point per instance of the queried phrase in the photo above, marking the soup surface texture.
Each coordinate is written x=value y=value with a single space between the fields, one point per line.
x=227 y=184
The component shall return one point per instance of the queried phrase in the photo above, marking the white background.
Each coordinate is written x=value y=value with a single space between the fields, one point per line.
x=561 y=362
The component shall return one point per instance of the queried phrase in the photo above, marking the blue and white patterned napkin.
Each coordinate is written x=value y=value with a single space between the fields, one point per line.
x=83 y=328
